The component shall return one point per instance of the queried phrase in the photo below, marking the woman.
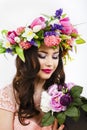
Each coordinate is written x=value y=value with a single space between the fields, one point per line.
x=41 y=48
x=36 y=74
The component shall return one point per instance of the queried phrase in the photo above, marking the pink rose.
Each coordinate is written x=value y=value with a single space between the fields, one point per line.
x=11 y=37
x=20 y=30
x=52 y=40
x=55 y=103
x=53 y=90
x=25 y=45
x=67 y=26
x=40 y=21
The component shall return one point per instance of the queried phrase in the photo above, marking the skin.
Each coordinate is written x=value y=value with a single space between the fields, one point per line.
x=48 y=58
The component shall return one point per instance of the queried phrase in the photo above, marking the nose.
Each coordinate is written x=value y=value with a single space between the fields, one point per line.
x=49 y=61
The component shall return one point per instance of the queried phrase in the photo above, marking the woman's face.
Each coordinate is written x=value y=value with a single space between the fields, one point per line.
x=48 y=58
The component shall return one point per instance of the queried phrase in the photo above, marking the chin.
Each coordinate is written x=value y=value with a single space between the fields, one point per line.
x=45 y=76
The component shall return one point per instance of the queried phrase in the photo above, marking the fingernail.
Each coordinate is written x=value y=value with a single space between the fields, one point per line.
x=62 y=126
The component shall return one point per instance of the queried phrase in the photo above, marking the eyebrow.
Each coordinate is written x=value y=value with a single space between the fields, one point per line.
x=47 y=53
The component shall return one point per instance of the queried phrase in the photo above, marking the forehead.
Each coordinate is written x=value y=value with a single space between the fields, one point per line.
x=45 y=48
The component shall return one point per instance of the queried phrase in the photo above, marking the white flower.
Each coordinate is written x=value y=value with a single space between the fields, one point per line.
x=17 y=39
x=45 y=102
x=28 y=34
x=6 y=43
x=37 y=28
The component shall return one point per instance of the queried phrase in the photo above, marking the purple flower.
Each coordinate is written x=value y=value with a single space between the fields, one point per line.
x=60 y=87
x=58 y=13
x=56 y=26
x=32 y=42
x=53 y=90
x=65 y=100
x=55 y=103
x=8 y=50
x=49 y=33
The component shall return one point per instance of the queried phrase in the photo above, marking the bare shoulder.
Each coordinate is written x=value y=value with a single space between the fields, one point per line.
x=6 y=120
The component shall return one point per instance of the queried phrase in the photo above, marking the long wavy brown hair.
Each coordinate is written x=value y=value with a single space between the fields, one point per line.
x=23 y=82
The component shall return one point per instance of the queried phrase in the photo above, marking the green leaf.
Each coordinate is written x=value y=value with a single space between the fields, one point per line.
x=38 y=43
x=76 y=91
x=63 y=16
x=76 y=118
x=78 y=101
x=72 y=112
x=2 y=50
x=80 y=41
x=4 y=32
x=48 y=119
x=84 y=107
x=61 y=118
x=20 y=53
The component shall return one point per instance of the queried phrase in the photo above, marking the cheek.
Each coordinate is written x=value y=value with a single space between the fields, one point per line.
x=56 y=64
x=41 y=63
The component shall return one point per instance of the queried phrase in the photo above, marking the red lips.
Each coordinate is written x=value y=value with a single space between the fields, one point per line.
x=47 y=70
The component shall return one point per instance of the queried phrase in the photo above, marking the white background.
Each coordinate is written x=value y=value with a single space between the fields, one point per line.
x=15 y=13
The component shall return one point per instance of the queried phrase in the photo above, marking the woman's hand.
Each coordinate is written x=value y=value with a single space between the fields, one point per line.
x=55 y=126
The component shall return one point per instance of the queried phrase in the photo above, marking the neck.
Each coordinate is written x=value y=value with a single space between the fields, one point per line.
x=39 y=84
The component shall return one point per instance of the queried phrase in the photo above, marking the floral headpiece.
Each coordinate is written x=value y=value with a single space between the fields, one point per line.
x=51 y=30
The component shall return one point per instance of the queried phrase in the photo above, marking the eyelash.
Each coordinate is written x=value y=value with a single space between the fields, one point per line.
x=40 y=56
x=55 y=57
x=43 y=57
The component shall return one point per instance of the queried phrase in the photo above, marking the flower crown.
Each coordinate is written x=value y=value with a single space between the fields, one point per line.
x=51 y=30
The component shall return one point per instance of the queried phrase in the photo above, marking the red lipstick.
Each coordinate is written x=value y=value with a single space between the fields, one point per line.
x=48 y=71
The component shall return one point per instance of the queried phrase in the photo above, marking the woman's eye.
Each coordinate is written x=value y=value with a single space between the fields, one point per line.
x=42 y=56
x=55 y=56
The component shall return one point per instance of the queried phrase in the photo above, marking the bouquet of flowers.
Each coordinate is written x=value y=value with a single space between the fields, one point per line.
x=61 y=102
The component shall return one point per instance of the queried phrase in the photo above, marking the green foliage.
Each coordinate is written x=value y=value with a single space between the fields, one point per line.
x=48 y=119
x=61 y=117
x=20 y=53
x=80 y=41
x=76 y=91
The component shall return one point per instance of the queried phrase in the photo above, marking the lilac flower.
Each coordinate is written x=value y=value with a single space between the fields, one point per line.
x=32 y=42
x=49 y=33
x=58 y=13
x=56 y=26
x=53 y=89
x=70 y=85
x=9 y=50
x=60 y=87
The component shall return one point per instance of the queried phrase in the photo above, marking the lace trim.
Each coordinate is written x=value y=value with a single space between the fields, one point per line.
x=5 y=100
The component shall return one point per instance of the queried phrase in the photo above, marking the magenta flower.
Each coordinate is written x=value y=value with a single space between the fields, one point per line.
x=55 y=103
x=11 y=37
x=52 y=40
x=67 y=26
x=38 y=23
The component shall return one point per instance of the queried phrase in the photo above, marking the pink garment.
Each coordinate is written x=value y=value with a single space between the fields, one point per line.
x=7 y=102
